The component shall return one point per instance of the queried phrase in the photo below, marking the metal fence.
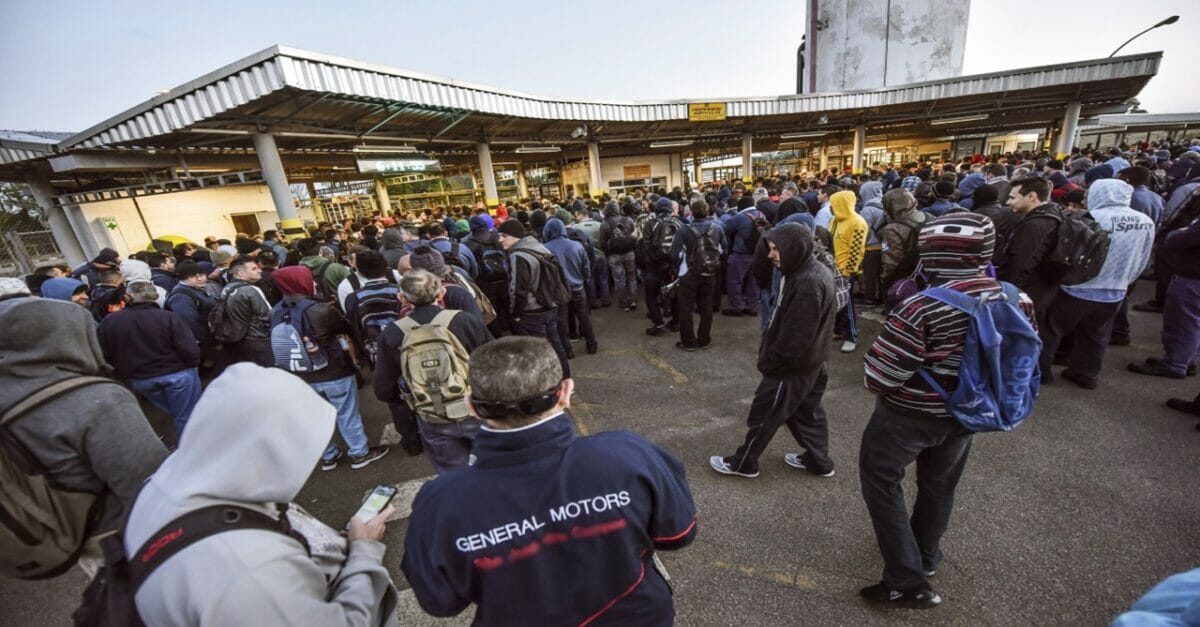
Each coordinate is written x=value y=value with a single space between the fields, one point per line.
x=21 y=252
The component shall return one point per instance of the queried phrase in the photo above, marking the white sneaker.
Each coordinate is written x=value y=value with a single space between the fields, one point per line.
x=849 y=347
x=793 y=460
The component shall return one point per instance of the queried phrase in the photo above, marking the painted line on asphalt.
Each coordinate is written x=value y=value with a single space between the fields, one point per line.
x=658 y=362
x=409 y=611
x=797 y=580
x=406 y=491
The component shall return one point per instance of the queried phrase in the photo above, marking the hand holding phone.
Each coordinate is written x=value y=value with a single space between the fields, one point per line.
x=369 y=521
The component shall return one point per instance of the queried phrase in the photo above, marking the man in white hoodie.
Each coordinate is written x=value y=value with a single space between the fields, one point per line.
x=256 y=576
x=1087 y=310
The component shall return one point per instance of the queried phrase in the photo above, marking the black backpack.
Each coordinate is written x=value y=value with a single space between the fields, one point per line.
x=1079 y=251
x=223 y=327
x=705 y=259
x=323 y=294
x=452 y=257
x=375 y=307
x=621 y=240
x=664 y=232
x=109 y=600
x=912 y=253
x=759 y=227
x=491 y=261
x=552 y=289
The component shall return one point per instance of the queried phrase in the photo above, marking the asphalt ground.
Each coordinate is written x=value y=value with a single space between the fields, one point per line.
x=1066 y=520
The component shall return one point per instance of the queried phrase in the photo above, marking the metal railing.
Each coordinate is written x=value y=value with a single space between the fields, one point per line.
x=22 y=252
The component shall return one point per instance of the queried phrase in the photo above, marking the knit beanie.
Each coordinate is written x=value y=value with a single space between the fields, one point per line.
x=189 y=269
x=428 y=258
x=245 y=246
x=511 y=227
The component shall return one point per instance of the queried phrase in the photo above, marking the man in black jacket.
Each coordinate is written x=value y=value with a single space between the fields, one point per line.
x=1030 y=242
x=155 y=352
x=791 y=358
x=249 y=308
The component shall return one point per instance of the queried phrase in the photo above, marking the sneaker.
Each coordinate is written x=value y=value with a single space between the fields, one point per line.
x=705 y=347
x=682 y=346
x=414 y=448
x=929 y=573
x=1191 y=369
x=574 y=338
x=917 y=599
x=373 y=454
x=849 y=347
x=330 y=464
x=673 y=326
x=657 y=330
x=1155 y=369
x=793 y=460
x=1153 y=306
x=570 y=353
x=722 y=465
x=1184 y=405
x=592 y=349
x=1079 y=380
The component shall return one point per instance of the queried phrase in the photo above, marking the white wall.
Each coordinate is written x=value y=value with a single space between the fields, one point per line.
x=195 y=214
x=867 y=44
x=613 y=169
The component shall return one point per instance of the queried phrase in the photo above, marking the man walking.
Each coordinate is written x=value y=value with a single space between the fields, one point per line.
x=697 y=249
x=155 y=352
x=791 y=359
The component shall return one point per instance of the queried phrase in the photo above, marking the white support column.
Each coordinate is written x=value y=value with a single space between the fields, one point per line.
x=595 y=188
x=522 y=184
x=824 y=162
x=60 y=226
x=860 y=141
x=318 y=212
x=1070 y=126
x=381 y=196
x=276 y=177
x=490 y=197
x=695 y=170
x=747 y=158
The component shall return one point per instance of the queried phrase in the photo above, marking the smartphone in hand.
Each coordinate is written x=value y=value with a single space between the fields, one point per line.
x=376 y=502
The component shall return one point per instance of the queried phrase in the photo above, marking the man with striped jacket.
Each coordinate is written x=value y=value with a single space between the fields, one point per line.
x=910 y=422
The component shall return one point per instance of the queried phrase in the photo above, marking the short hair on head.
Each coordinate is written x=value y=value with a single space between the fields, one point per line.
x=791 y=187
x=1033 y=185
x=985 y=194
x=997 y=169
x=109 y=274
x=155 y=260
x=239 y=263
x=268 y=258
x=436 y=229
x=371 y=264
x=142 y=292
x=308 y=247
x=1135 y=175
x=270 y=234
x=513 y=368
x=699 y=208
x=420 y=287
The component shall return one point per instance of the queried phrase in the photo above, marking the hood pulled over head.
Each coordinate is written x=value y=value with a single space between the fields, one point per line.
x=61 y=288
x=43 y=341
x=1108 y=193
x=871 y=190
x=554 y=228
x=795 y=244
x=294 y=280
x=842 y=204
x=956 y=246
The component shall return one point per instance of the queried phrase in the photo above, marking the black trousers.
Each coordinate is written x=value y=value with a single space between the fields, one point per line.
x=1120 y=330
x=405 y=422
x=575 y=318
x=252 y=349
x=795 y=402
x=654 y=280
x=502 y=303
x=696 y=295
x=910 y=545
x=1088 y=323
x=872 y=267
x=545 y=324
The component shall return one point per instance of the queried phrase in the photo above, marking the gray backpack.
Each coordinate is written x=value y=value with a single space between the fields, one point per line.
x=43 y=528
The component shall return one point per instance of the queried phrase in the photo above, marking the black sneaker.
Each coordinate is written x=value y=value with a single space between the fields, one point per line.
x=330 y=464
x=690 y=349
x=373 y=454
x=657 y=330
x=414 y=448
x=592 y=349
x=724 y=465
x=1191 y=369
x=918 y=599
x=1184 y=405
x=1152 y=306
x=1155 y=369
x=1079 y=379
x=673 y=326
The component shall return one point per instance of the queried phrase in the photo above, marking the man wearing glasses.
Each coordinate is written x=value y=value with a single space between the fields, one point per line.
x=546 y=528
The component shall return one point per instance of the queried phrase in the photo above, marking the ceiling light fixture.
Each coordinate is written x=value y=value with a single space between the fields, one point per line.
x=525 y=150
x=673 y=144
x=965 y=118
x=803 y=135
x=385 y=149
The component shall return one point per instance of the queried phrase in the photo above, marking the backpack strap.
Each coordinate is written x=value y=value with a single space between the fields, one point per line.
x=443 y=318
x=355 y=284
x=46 y=393
x=197 y=525
x=407 y=324
x=954 y=298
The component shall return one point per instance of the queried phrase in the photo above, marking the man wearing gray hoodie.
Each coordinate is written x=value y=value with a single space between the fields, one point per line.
x=91 y=439
x=257 y=576
x=872 y=211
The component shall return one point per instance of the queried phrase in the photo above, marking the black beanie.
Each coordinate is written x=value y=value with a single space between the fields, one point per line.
x=245 y=246
x=513 y=228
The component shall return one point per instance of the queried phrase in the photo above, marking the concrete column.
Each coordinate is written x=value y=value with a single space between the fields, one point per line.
x=490 y=197
x=522 y=184
x=83 y=230
x=1070 y=126
x=318 y=212
x=276 y=177
x=695 y=170
x=747 y=158
x=60 y=226
x=860 y=141
x=595 y=187
x=824 y=155
x=381 y=196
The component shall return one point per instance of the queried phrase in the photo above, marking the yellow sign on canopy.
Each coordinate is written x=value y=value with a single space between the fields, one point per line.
x=706 y=111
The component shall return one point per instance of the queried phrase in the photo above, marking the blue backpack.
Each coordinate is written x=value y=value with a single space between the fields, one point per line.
x=294 y=349
x=999 y=377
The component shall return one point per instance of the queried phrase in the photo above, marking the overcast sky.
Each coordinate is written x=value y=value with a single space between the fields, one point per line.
x=65 y=66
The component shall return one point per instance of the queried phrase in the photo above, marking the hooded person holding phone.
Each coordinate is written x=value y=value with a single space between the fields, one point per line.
x=258 y=458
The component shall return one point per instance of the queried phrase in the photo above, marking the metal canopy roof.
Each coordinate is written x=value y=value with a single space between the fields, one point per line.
x=320 y=106
x=25 y=145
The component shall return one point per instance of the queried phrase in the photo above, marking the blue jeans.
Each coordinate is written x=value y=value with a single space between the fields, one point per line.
x=174 y=393
x=343 y=395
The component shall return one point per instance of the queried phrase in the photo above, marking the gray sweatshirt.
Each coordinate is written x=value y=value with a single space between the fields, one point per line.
x=253 y=440
x=94 y=438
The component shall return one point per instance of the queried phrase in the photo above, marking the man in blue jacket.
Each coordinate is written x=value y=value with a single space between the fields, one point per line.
x=741 y=232
x=192 y=303
x=531 y=533
x=577 y=269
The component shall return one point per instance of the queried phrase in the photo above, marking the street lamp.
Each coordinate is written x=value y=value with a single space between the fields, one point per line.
x=1169 y=20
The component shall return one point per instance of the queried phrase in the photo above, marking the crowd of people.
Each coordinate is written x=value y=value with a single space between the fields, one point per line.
x=466 y=322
